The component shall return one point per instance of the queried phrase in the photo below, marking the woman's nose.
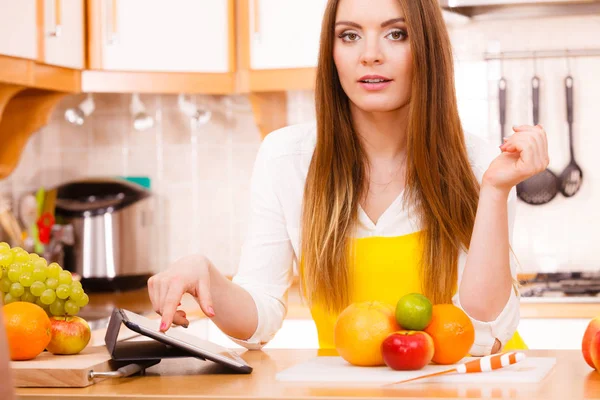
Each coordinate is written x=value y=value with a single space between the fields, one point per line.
x=372 y=53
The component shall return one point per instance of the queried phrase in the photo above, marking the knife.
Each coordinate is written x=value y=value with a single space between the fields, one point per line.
x=483 y=364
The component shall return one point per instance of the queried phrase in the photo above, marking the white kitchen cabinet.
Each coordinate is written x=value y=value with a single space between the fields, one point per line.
x=18 y=28
x=285 y=33
x=162 y=35
x=64 y=33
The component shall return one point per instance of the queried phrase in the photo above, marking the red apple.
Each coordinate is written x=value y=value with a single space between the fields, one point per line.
x=594 y=350
x=407 y=350
x=70 y=335
x=590 y=332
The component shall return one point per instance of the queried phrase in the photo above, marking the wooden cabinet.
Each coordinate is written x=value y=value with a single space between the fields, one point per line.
x=19 y=28
x=285 y=33
x=161 y=35
x=63 y=33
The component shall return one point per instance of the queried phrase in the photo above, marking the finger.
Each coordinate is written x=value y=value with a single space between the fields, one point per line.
x=163 y=290
x=526 y=146
x=152 y=293
x=204 y=297
x=521 y=128
x=169 y=306
x=180 y=318
x=539 y=137
x=546 y=156
x=537 y=143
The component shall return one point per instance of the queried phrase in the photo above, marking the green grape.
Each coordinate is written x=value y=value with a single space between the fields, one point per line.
x=6 y=258
x=40 y=263
x=5 y=284
x=57 y=308
x=4 y=246
x=76 y=284
x=71 y=307
x=52 y=283
x=16 y=290
x=1 y=272
x=83 y=301
x=39 y=274
x=76 y=293
x=48 y=296
x=63 y=291
x=28 y=297
x=37 y=288
x=34 y=256
x=65 y=278
x=26 y=279
x=27 y=267
x=20 y=255
x=9 y=299
x=53 y=270
x=44 y=306
x=14 y=272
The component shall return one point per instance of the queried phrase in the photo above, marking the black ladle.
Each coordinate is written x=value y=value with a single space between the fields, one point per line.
x=543 y=186
x=572 y=176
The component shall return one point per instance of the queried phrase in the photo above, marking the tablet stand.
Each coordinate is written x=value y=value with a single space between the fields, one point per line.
x=150 y=350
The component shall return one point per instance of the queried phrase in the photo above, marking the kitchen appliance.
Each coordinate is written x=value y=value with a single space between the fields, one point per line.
x=113 y=232
x=562 y=284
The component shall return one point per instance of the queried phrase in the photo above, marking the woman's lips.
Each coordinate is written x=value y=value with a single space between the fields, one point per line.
x=374 y=86
x=374 y=82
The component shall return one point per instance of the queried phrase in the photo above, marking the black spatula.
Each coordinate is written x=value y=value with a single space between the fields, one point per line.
x=572 y=176
x=542 y=187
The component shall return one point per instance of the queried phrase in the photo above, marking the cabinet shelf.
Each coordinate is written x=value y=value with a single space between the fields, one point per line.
x=157 y=82
x=23 y=111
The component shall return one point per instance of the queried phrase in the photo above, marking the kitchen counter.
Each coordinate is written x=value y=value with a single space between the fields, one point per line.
x=194 y=379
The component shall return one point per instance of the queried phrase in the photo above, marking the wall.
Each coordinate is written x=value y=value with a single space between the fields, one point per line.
x=561 y=235
x=200 y=174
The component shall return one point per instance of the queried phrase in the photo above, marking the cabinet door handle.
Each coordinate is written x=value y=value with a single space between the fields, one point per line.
x=56 y=12
x=111 y=25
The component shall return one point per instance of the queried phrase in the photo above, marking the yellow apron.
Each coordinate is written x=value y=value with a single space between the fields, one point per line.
x=385 y=270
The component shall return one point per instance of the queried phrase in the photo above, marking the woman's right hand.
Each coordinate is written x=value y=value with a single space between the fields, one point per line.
x=187 y=275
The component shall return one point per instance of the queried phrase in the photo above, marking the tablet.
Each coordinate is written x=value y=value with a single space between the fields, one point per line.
x=181 y=340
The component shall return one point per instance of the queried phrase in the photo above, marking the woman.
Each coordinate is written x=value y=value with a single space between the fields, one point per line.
x=384 y=196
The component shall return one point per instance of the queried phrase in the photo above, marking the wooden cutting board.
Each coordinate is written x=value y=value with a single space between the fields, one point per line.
x=335 y=370
x=48 y=370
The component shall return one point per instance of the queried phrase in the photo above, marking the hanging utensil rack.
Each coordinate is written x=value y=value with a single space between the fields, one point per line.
x=516 y=55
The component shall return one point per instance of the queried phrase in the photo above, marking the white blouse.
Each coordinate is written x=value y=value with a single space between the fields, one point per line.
x=272 y=245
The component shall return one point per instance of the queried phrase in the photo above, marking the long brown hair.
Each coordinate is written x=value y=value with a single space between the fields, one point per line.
x=440 y=184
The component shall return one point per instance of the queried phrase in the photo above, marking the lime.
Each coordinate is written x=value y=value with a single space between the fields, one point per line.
x=413 y=312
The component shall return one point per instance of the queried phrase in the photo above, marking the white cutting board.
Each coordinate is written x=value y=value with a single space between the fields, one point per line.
x=336 y=369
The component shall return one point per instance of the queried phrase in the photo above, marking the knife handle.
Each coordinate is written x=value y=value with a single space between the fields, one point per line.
x=490 y=363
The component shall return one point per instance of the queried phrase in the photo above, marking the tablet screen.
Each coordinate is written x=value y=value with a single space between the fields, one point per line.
x=185 y=339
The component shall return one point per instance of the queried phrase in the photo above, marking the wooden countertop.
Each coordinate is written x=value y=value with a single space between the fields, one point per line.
x=194 y=379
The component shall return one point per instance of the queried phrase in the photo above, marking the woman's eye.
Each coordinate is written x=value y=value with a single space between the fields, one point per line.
x=349 y=36
x=397 y=35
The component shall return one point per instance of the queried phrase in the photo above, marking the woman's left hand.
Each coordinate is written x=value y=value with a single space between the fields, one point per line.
x=524 y=154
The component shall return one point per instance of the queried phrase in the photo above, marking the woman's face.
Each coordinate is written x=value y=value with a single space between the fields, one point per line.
x=372 y=54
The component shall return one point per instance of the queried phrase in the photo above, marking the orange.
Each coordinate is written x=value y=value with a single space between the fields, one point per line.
x=28 y=330
x=452 y=333
x=360 y=329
